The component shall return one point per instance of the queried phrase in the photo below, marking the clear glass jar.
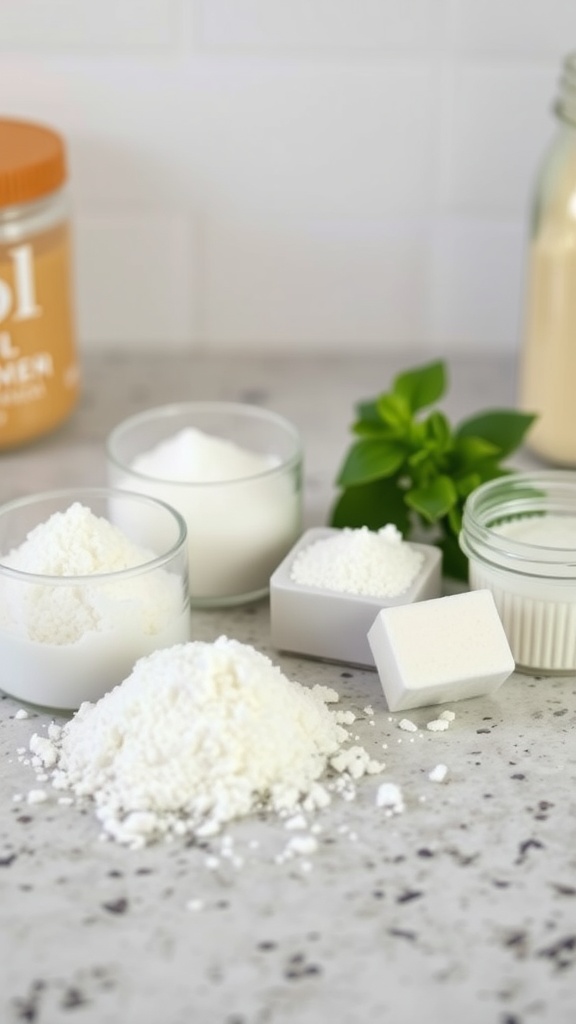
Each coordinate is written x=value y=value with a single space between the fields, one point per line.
x=548 y=355
x=39 y=375
x=234 y=472
x=71 y=633
x=519 y=534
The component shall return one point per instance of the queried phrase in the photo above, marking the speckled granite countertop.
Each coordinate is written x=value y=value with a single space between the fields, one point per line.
x=460 y=908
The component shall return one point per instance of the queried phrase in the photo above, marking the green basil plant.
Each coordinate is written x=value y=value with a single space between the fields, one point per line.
x=416 y=470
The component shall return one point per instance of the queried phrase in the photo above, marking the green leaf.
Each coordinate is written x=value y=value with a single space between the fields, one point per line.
x=470 y=450
x=367 y=412
x=466 y=484
x=418 y=471
x=421 y=386
x=368 y=460
x=454 y=561
x=394 y=410
x=365 y=429
x=438 y=431
x=433 y=501
x=373 y=505
x=505 y=428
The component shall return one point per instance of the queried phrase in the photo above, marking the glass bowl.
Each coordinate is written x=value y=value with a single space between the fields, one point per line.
x=83 y=595
x=234 y=472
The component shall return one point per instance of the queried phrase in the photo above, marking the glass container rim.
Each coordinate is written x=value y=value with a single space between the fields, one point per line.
x=479 y=540
x=565 y=104
x=95 y=578
x=165 y=412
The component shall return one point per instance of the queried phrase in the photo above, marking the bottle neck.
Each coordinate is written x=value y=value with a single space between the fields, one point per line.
x=565 y=105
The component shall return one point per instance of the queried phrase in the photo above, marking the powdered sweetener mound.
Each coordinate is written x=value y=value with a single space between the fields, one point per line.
x=359 y=561
x=193 y=456
x=76 y=542
x=197 y=735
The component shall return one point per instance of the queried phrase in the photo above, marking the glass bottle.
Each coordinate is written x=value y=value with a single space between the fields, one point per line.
x=548 y=355
x=39 y=376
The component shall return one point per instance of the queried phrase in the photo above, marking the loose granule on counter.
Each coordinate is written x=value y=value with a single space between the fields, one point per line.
x=438 y=725
x=21 y=713
x=407 y=725
x=389 y=796
x=200 y=734
x=374 y=563
x=37 y=796
x=438 y=774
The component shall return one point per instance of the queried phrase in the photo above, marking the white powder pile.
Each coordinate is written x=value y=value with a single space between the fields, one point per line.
x=359 y=561
x=78 y=543
x=191 y=456
x=197 y=735
x=242 y=509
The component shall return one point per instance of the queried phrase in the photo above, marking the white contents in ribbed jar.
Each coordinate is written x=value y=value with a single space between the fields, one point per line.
x=538 y=612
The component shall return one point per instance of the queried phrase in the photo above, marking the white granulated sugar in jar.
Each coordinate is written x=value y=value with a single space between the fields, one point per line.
x=359 y=561
x=242 y=516
x=191 y=456
x=198 y=734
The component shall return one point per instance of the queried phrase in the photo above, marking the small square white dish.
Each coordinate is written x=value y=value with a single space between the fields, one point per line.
x=332 y=625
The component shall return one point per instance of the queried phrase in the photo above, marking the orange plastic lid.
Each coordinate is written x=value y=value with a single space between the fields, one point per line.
x=32 y=161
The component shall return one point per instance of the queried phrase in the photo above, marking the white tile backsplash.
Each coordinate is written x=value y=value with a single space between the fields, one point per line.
x=322 y=286
x=80 y=25
x=137 y=281
x=514 y=28
x=322 y=26
x=338 y=141
x=319 y=174
x=500 y=122
x=477 y=285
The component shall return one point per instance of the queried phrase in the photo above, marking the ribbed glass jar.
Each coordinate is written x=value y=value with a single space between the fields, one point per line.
x=519 y=534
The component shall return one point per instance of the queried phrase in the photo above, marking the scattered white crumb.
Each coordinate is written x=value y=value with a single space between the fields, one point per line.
x=438 y=774
x=437 y=725
x=326 y=693
x=302 y=844
x=369 y=710
x=389 y=796
x=212 y=863
x=295 y=822
x=449 y=716
x=21 y=713
x=407 y=725
x=37 y=796
x=345 y=717
x=194 y=905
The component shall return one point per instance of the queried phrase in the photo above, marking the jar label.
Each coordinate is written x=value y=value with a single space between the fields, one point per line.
x=39 y=373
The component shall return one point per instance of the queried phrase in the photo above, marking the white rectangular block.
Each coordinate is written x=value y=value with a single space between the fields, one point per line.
x=441 y=650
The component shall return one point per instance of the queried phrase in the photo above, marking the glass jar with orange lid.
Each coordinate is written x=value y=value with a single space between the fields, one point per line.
x=39 y=373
